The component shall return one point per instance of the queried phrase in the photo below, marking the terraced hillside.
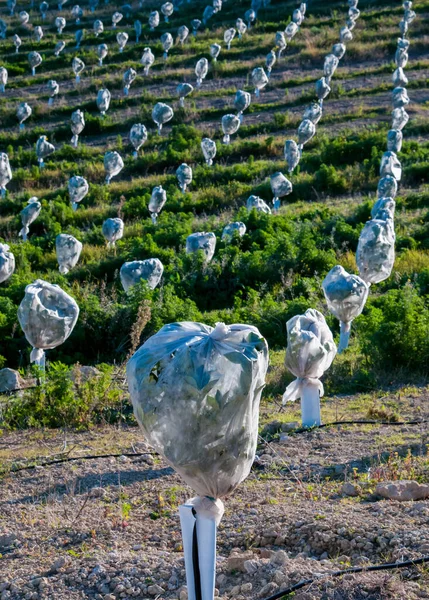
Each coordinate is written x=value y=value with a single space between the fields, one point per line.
x=275 y=270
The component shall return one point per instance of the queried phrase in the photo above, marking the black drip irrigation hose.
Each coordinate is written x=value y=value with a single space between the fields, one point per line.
x=364 y=422
x=58 y=461
x=382 y=567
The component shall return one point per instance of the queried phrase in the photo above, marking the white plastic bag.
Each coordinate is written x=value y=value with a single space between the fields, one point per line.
x=59 y=48
x=116 y=18
x=129 y=77
x=102 y=51
x=384 y=209
x=228 y=36
x=28 y=215
x=43 y=149
x=346 y=296
x=113 y=230
x=183 y=90
x=5 y=172
x=231 y=228
x=138 y=136
x=399 y=118
x=399 y=78
x=306 y=131
x=390 y=165
x=330 y=66
x=161 y=114
x=103 y=100
x=292 y=154
x=280 y=186
x=122 y=39
x=7 y=263
x=400 y=97
x=78 y=66
x=182 y=34
x=113 y=165
x=147 y=60
x=201 y=70
x=259 y=80
x=242 y=101
x=60 y=23
x=209 y=149
x=77 y=126
x=313 y=113
x=214 y=51
x=255 y=202
x=201 y=241
x=309 y=353
x=167 y=43
x=394 y=140
x=68 y=250
x=184 y=176
x=149 y=270
x=387 y=187
x=98 y=27
x=153 y=20
x=3 y=79
x=230 y=125
x=47 y=315
x=78 y=188
x=157 y=200
x=35 y=60
x=338 y=50
x=167 y=10
x=375 y=254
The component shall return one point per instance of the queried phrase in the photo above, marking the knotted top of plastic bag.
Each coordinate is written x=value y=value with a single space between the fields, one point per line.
x=195 y=392
x=47 y=314
x=345 y=294
x=7 y=263
x=150 y=270
x=375 y=254
x=309 y=353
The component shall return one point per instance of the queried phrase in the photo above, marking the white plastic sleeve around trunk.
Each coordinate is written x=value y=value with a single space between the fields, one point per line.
x=310 y=406
x=187 y=523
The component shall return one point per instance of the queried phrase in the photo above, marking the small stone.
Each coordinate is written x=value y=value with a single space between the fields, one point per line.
x=284 y=438
x=183 y=594
x=236 y=561
x=97 y=492
x=251 y=566
x=154 y=590
x=137 y=547
x=246 y=588
x=268 y=589
x=349 y=489
x=279 y=558
x=403 y=491
x=109 y=597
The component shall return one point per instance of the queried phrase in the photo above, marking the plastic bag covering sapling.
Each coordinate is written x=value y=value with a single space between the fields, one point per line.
x=354 y=13
x=196 y=24
x=7 y=263
x=17 y=42
x=390 y=165
x=149 y=270
x=103 y=100
x=5 y=172
x=43 y=149
x=77 y=13
x=291 y=30
x=384 y=209
x=60 y=23
x=78 y=66
x=184 y=176
x=400 y=118
x=201 y=241
x=68 y=250
x=138 y=136
x=113 y=165
x=98 y=27
x=297 y=17
x=375 y=253
x=161 y=114
x=116 y=18
x=28 y=215
x=77 y=125
x=387 y=187
x=394 y=140
x=78 y=188
x=183 y=90
x=313 y=113
x=228 y=36
x=403 y=44
x=309 y=353
x=79 y=37
x=409 y=16
x=38 y=33
x=113 y=230
x=215 y=51
x=230 y=124
x=147 y=60
x=208 y=13
x=232 y=228
x=292 y=155
x=242 y=101
x=209 y=149
x=129 y=77
x=23 y=112
x=157 y=200
x=338 y=50
x=403 y=27
x=345 y=35
x=24 y=17
x=167 y=10
x=400 y=97
x=259 y=79
x=280 y=186
x=306 y=131
x=206 y=382
x=153 y=19
x=401 y=58
x=255 y=202
x=217 y=5
x=53 y=88
x=250 y=17
x=330 y=66
x=138 y=29
x=35 y=60
x=182 y=34
x=399 y=78
x=280 y=42
x=59 y=48
x=3 y=79
x=102 y=51
x=201 y=70
x=322 y=88
x=47 y=316
x=241 y=27
x=122 y=39
x=346 y=296
x=270 y=61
